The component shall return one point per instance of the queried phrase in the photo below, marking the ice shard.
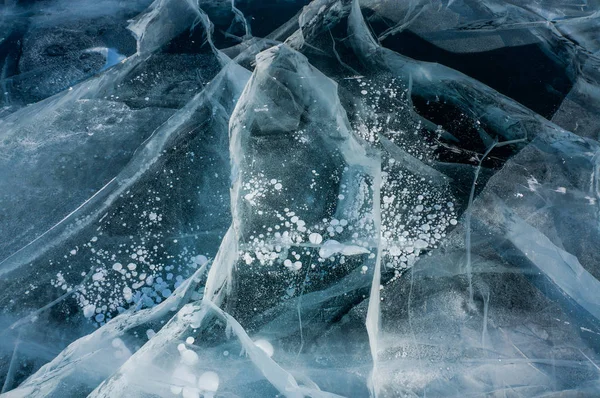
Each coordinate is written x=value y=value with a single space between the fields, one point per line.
x=327 y=198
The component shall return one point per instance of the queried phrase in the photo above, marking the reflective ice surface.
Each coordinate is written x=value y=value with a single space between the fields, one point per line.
x=250 y=198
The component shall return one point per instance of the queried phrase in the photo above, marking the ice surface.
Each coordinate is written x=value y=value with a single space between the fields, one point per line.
x=333 y=198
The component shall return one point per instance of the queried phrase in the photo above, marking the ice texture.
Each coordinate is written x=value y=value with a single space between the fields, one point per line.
x=327 y=198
